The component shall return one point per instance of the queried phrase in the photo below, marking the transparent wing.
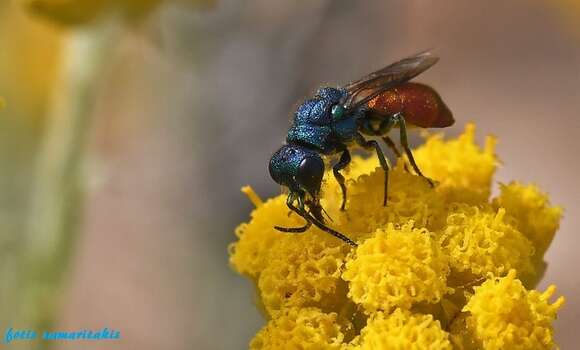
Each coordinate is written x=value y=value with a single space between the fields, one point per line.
x=365 y=89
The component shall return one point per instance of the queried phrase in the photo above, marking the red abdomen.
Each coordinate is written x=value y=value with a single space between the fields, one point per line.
x=420 y=104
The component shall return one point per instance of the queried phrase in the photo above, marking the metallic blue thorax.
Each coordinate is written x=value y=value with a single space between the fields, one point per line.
x=314 y=125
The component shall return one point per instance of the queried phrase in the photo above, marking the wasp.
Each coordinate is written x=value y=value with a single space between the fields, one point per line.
x=336 y=119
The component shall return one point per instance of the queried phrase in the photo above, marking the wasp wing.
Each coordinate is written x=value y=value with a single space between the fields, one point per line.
x=365 y=89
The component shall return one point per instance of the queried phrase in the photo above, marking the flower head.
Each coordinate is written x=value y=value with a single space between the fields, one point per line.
x=481 y=242
x=402 y=330
x=464 y=171
x=502 y=314
x=531 y=212
x=410 y=282
x=397 y=268
x=311 y=279
x=304 y=328
x=410 y=198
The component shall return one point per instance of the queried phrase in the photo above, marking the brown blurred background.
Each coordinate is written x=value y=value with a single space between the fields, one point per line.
x=190 y=105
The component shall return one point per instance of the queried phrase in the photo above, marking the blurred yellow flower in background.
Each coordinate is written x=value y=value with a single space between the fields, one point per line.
x=78 y=12
x=569 y=11
x=36 y=50
x=51 y=76
x=437 y=267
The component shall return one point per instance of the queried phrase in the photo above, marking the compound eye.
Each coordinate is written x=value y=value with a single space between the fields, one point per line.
x=337 y=112
x=310 y=173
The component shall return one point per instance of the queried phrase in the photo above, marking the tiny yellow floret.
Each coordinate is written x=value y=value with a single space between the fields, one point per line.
x=252 y=196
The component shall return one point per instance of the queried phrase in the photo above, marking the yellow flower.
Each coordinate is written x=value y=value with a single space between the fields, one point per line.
x=532 y=213
x=36 y=51
x=263 y=254
x=256 y=238
x=303 y=270
x=402 y=330
x=479 y=241
x=410 y=281
x=463 y=170
x=78 y=12
x=68 y=11
x=307 y=328
x=410 y=198
x=502 y=314
x=397 y=268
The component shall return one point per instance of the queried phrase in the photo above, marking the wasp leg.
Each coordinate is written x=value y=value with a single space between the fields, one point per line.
x=290 y=203
x=327 y=229
x=391 y=144
x=385 y=125
x=368 y=144
x=400 y=120
x=342 y=163
x=300 y=229
x=310 y=219
x=317 y=210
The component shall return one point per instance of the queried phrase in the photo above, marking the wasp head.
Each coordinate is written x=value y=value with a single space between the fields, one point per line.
x=298 y=168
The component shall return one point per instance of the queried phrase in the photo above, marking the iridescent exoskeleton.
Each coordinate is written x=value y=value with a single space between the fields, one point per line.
x=337 y=118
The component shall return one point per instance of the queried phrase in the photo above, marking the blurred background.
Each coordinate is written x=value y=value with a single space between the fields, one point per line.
x=130 y=126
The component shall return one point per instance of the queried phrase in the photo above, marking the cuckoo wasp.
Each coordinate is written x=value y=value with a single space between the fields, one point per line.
x=336 y=119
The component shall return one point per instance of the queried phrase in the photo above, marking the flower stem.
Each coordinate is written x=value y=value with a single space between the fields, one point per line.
x=56 y=201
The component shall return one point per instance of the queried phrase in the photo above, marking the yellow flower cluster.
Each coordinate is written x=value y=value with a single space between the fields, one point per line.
x=436 y=268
